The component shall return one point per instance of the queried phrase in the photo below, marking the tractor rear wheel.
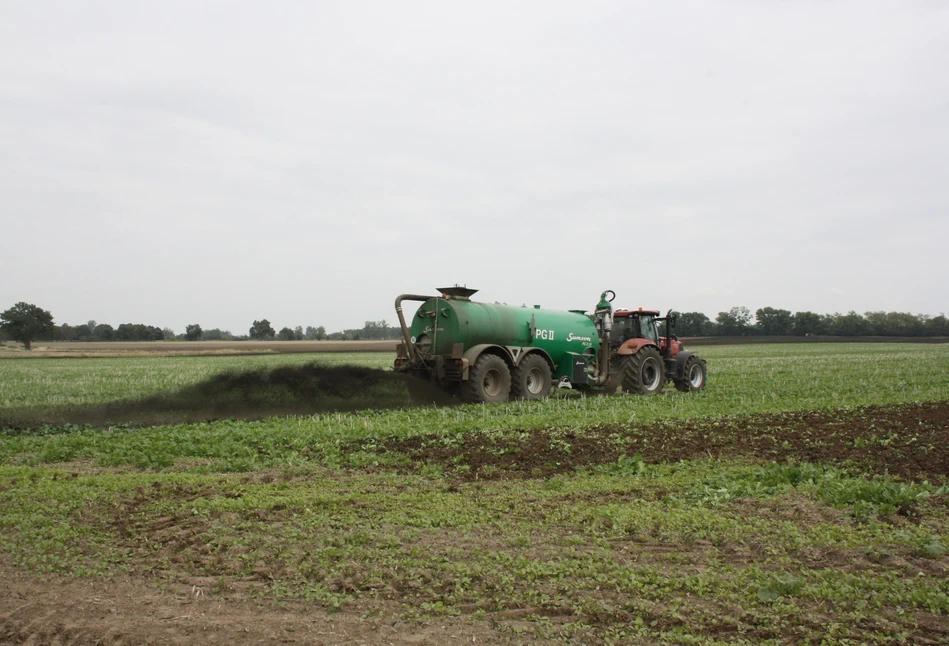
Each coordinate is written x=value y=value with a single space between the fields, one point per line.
x=489 y=381
x=643 y=372
x=531 y=378
x=694 y=375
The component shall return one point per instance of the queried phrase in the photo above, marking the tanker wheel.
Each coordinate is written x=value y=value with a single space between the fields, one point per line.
x=643 y=372
x=531 y=378
x=489 y=380
x=694 y=375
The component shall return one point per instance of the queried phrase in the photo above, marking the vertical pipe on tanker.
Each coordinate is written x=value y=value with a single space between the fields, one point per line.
x=409 y=347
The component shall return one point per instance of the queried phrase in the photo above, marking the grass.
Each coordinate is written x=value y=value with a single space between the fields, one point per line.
x=743 y=380
x=382 y=513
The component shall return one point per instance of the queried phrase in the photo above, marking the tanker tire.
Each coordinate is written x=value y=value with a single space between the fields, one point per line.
x=643 y=372
x=694 y=375
x=531 y=379
x=489 y=381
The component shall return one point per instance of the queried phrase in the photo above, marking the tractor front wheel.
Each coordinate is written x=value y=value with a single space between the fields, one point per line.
x=694 y=375
x=489 y=381
x=643 y=372
x=531 y=378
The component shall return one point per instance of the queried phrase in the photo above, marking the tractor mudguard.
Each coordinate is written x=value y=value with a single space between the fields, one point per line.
x=633 y=345
x=681 y=357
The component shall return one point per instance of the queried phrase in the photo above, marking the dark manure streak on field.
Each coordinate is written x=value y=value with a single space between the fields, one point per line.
x=296 y=390
x=906 y=440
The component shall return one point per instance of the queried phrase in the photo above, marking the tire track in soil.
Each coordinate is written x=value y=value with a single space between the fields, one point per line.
x=910 y=441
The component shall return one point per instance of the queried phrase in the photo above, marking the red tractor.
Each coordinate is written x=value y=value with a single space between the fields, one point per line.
x=642 y=360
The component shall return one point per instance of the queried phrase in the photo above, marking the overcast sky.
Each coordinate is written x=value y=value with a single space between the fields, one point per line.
x=306 y=162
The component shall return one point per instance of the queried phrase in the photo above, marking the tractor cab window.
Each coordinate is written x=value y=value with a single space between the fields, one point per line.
x=634 y=327
x=647 y=329
x=622 y=330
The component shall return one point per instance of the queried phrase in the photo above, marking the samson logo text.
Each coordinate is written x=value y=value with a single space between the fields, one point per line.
x=574 y=337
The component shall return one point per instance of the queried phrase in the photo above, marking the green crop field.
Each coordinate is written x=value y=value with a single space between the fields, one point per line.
x=802 y=498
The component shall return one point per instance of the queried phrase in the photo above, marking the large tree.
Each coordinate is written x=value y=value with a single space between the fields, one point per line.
x=25 y=323
x=734 y=322
x=82 y=332
x=193 y=332
x=138 y=332
x=774 y=322
x=693 y=324
x=262 y=330
x=849 y=324
x=937 y=326
x=807 y=323
x=103 y=332
x=895 y=324
x=315 y=333
x=65 y=332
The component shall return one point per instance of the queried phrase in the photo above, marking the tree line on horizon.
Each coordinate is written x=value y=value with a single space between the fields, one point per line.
x=26 y=323
x=769 y=321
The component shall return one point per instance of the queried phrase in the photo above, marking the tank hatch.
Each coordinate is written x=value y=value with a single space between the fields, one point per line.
x=457 y=293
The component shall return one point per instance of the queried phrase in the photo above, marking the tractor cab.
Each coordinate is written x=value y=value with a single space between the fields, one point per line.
x=634 y=324
x=645 y=325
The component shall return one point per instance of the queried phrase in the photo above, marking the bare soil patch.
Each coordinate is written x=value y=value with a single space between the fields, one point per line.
x=906 y=440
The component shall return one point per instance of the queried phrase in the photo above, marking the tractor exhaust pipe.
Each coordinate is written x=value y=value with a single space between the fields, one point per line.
x=407 y=339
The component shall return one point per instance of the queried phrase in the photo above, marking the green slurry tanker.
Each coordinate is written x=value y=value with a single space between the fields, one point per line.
x=492 y=353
